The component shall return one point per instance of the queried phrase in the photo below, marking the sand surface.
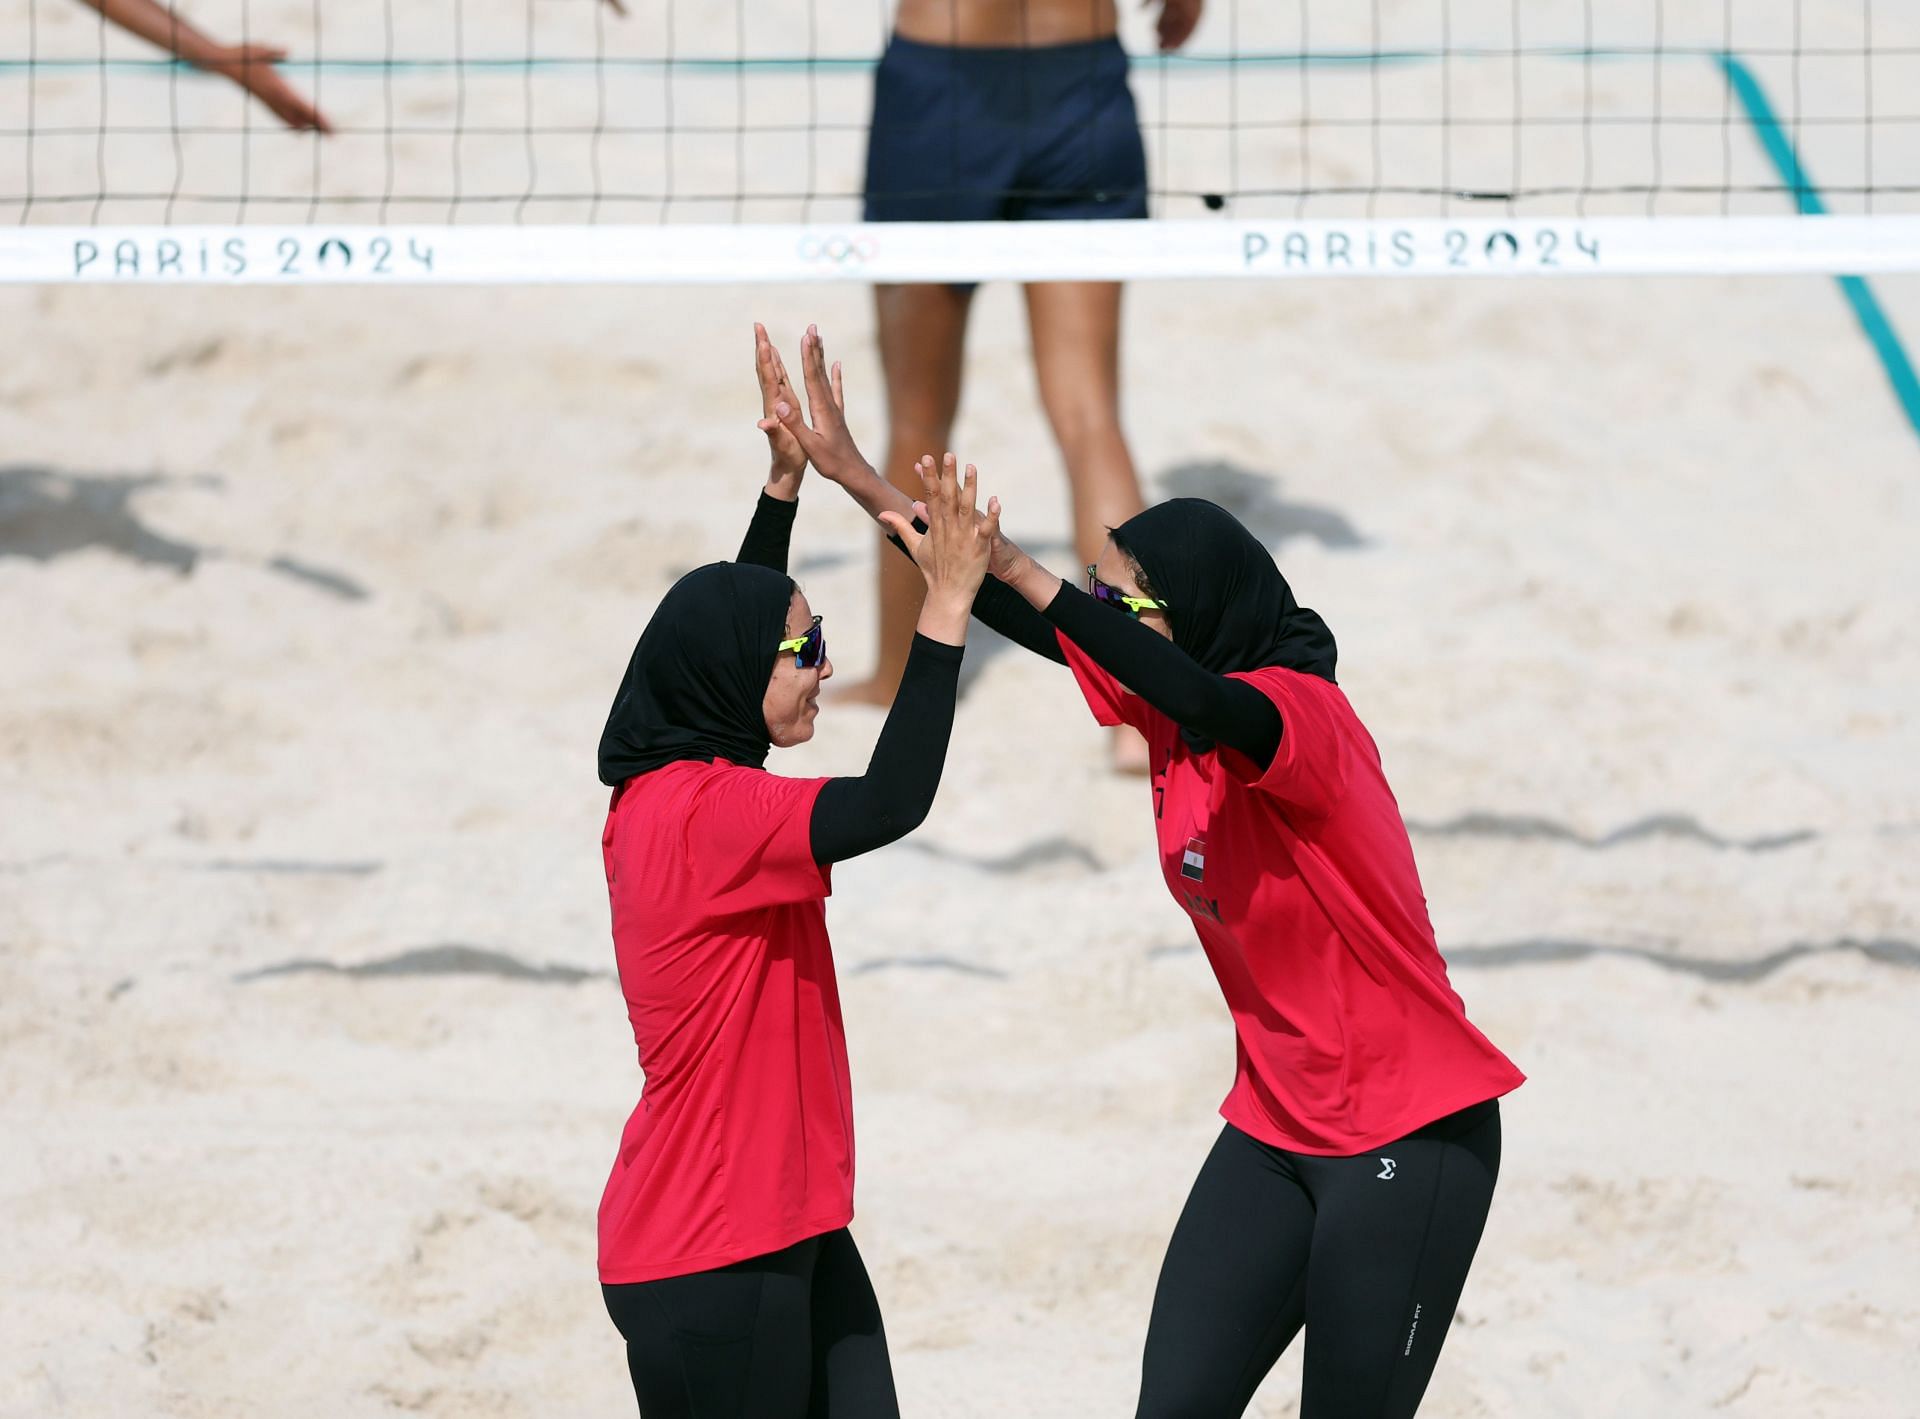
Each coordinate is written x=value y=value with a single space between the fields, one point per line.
x=311 y=1064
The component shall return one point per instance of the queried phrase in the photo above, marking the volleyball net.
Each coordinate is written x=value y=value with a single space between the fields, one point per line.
x=563 y=140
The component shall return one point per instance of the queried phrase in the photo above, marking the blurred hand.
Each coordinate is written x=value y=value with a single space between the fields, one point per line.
x=789 y=459
x=823 y=433
x=251 y=66
x=954 y=551
x=1178 y=19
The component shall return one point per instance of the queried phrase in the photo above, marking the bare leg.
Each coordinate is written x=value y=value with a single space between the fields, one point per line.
x=1076 y=356
x=923 y=332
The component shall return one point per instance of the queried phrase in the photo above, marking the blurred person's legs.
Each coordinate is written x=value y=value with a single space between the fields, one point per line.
x=934 y=154
x=923 y=331
x=1046 y=132
x=1075 y=327
x=1085 y=162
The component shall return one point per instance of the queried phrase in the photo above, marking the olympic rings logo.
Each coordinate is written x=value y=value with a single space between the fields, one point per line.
x=839 y=250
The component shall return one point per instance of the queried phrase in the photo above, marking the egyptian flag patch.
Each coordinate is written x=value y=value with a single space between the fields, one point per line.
x=1193 y=862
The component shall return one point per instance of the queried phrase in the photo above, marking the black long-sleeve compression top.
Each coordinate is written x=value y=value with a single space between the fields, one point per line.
x=769 y=534
x=1230 y=712
x=1225 y=710
x=856 y=815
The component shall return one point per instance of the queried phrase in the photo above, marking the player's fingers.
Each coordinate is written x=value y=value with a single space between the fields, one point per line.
x=991 y=526
x=839 y=389
x=297 y=113
x=919 y=510
x=970 y=492
x=813 y=371
x=763 y=367
x=789 y=416
x=901 y=528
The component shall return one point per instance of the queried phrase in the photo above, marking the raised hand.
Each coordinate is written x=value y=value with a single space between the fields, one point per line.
x=789 y=459
x=952 y=553
x=823 y=432
x=1006 y=560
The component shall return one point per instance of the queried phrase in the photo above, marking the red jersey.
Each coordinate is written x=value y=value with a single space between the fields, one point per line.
x=742 y=1142
x=1301 y=885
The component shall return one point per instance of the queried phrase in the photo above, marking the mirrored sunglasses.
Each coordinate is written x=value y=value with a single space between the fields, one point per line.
x=808 y=650
x=1118 y=600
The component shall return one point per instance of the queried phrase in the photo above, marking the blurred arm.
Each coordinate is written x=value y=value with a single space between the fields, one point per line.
x=251 y=66
x=159 y=25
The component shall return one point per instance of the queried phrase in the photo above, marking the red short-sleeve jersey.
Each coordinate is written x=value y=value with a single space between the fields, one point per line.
x=742 y=1142
x=1301 y=886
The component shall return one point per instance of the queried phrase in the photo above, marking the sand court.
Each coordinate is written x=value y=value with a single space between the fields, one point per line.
x=311 y=1057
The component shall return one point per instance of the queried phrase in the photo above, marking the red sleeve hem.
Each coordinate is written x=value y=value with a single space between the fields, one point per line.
x=1309 y=776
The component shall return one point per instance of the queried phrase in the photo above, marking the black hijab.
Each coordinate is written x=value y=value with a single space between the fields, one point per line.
x=1229 y=607
x=697 y=680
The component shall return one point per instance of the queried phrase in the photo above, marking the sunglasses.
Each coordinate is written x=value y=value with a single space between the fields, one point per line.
x=808 y=650
x=1119 y=601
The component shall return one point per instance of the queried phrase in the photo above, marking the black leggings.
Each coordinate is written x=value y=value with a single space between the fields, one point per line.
x=1368 y=1252
x=795 y=1334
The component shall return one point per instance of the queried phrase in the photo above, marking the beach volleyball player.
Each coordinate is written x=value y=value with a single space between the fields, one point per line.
x=1349 y=1186
x=725 y=1259
x=1007 y=110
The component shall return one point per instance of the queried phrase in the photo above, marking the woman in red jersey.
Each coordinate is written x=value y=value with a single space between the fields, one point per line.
x=1349 y=1187
x=725 y=1259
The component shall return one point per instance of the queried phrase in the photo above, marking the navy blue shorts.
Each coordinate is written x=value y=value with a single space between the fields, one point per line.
x=981 y=135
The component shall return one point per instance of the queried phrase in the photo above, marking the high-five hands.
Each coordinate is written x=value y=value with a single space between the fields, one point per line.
x=823 y=433
x=789 y=459
x=1005 y=561
x=953 y=552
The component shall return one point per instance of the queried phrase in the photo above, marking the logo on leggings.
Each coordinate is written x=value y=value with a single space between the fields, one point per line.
x=1387 y=1171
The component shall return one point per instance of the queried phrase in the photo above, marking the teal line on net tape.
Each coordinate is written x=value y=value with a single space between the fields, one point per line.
x=1866 y=306
x=790 y=64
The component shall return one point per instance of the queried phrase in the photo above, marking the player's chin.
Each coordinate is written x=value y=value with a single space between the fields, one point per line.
x=801 y=730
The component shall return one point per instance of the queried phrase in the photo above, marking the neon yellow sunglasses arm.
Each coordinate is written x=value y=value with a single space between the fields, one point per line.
x=1135 y=604
x=799 y=641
